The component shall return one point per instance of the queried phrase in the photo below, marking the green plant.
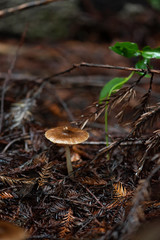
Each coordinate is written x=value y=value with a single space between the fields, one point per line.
x=127 y=49
x=155 y=4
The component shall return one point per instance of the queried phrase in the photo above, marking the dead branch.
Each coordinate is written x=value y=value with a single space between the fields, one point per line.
x=107 y=66
x=24 y=6
x=84 y=64
x=38 y=80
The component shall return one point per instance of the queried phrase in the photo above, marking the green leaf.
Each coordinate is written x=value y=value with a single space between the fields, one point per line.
x=155 y=4
x=149 y=53
x=126 y=49
x=112 y=86
x=143 y=64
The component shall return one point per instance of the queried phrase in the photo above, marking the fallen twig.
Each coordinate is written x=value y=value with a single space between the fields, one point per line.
x=24 y=6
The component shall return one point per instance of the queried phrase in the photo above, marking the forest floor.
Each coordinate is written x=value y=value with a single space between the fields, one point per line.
x=114 y=192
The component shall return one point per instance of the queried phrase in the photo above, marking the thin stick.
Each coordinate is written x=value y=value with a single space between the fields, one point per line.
x=24 y=6
x=107 y=66
x=84 y=64
x=129 y=142
x=25 y=137
x=76 y=202
x=79 y=65
x=97 y=200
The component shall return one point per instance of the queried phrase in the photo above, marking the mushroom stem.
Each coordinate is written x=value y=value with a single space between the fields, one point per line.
x=68 y=159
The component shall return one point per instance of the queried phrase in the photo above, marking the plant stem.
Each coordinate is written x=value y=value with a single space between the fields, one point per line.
x=68 y=160
x=130 y=75
x=106 y=125
x=106 y=109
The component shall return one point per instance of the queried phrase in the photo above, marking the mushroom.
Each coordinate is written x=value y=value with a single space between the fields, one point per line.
x=9 y=231
x=67 y=136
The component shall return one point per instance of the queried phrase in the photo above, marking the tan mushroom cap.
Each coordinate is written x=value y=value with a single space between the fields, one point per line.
x=66 y=135
x=9 y=231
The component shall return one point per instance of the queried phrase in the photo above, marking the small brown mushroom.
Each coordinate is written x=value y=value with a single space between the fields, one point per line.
x=9 y=231
x=67 y=136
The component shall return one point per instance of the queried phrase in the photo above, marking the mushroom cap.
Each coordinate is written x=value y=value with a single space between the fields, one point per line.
x=66 y=135
x=9 y=231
